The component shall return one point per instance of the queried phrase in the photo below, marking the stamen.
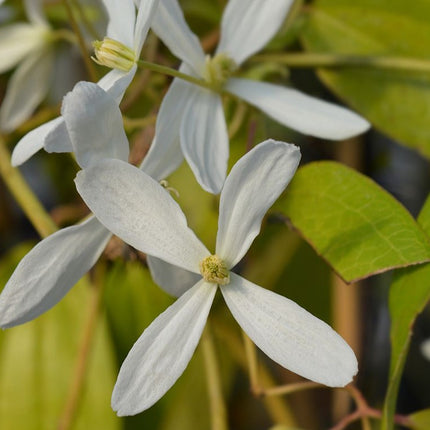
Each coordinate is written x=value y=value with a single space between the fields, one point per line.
x=218 y=69
x=214 y=270
x=113 y=54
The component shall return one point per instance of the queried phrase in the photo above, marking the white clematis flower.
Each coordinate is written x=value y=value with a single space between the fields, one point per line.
x=199 y=125
x=28 y=45
x=51 y=268
x=128 y=32
x=137 y=209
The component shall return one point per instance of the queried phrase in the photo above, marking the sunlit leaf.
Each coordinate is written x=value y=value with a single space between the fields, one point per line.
x=397 y=102
x=420 y=420
x=356 y=226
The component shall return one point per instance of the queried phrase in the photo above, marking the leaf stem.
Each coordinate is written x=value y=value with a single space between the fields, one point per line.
x=313 y=59
x=23 y=194
x=217 y=405
x=88 y=63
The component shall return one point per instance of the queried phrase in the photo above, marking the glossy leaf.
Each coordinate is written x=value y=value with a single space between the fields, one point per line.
x=395 y=101
x=356 y=226
x=409 y=293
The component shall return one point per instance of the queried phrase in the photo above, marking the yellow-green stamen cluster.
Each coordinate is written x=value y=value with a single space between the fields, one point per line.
x=214 y=270
x=113 y=54
x=218 y=69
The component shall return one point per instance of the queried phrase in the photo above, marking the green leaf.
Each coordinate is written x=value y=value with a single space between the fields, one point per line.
x=37 y=364
x=355 y=225
x=396 y=102
x=420 y=420
x=409 y=293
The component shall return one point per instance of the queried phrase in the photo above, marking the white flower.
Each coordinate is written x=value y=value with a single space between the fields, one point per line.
x=135 y=207
x=51 y=268
x=198 y=119
x=126 y=29
x=28 y=45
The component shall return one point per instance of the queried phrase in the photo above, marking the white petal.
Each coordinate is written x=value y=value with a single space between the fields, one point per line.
x=170 y=278
x=170 y=26
x=425 y=349
x=141 y=212
x=122 y=17
x=247 y=26
x=116 y=82
x=144 y=19
x=252 y=186
x=58 y=139
x=204 y=139
x=300 y=111
x=289 y=335
x=161 y=354
x=17 y=41
x=165 y=153
x=94 y=123
x=33 y=142
x=27 y=87
x=34 y=11
x=49 y=270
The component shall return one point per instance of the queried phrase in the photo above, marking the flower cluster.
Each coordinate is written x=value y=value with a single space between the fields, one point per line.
x=129 y=201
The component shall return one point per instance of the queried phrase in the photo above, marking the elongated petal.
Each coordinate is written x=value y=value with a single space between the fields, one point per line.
x=94 y=123
x=252 y=186
x=161 y=354
x=165 y=154
x=170 y=26
x=300 y=111
x=289 y=335
x=34 y=11
x=122 y=18
x=58 y=139
x=141 y=212
x=172 y=279
x=116 y=82
x=247 y=26
x=33 y=142
x=145 y=15
x=17 y=41
x=204 y=139
x=27 y=87
x=49 y=270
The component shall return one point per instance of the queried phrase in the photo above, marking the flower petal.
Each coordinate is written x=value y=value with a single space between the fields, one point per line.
x=141 y=212
x=49 y=270
x=122 y=17
x=94 y=123
x=33 y=142
x=172 y=279
x=58 y=139
x=145 y=14
x=34 y=11
x=27 y=87
x=170 y=26
x=17 y=41
x=165 y=153
x=289 y=335
x=161 y=354
x=204 y=139
x=116 y=82
x=252 y=186
x=247 y=26
x=299 y=111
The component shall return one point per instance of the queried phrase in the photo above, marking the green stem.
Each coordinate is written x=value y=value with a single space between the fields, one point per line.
x=308 y=59
x=22 y=193
x=81 y=41
x=176 y=74
x=217 y=405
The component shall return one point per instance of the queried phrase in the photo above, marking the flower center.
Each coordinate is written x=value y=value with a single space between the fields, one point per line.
x=113 y=54
x=214 y=270
x=218 y=69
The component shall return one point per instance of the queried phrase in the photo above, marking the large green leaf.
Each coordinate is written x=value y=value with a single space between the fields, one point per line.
x=420 y=420
x=356 y=226
x=409 y=293
x=37 y=364
x=397 y=102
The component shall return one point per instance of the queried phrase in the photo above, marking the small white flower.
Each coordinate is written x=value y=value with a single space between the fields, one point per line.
x=137 y=209
x=196 y=118
x=52 y=267
x=125 y=28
